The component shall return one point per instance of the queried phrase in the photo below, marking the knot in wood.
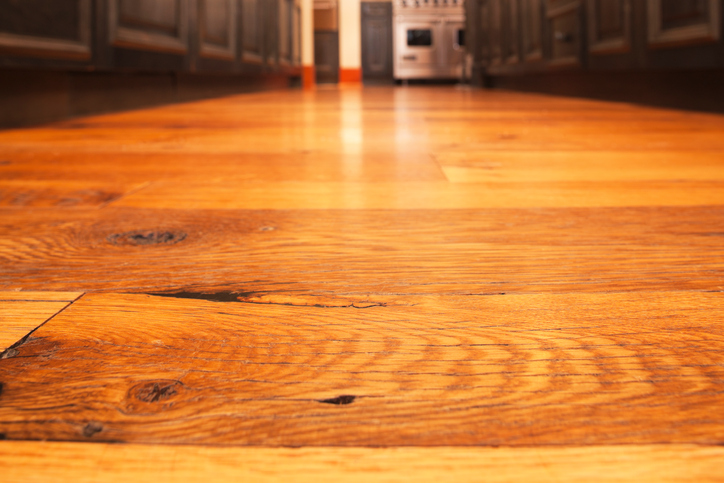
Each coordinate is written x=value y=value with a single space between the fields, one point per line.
x=92 y=428
x=147 y=237
x=156 y=391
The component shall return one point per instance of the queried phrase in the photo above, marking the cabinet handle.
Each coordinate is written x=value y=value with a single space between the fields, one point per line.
x=563 y=37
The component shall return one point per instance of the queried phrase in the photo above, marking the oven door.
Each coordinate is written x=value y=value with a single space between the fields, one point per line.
x=418 y=42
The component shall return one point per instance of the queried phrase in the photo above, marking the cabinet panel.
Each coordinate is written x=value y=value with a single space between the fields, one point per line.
x=377 y=42
x=565 y=36
x=59 y=29
x=483 y=33
x=160 y=25
x=285 y=30
x=553 y=5
x=271 y=32
x=252 y=31
x=297 y=36
x=511 y=31
x=532 y=30
x=496 y=52
x=217 y=28
x=682 y=22
x=609 y=26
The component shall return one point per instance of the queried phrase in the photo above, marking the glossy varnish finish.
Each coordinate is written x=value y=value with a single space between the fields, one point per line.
x=378 y=267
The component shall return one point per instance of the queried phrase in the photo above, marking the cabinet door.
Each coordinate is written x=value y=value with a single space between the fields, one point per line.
x=496 y=51
x=482 y=32
x=158 y=25
x=511 y=31
x=609 y=26
x=285 y=31
x=565 y=31
x=532 y=30
x=682 y=22
x=377 y=42
x=217 y=29
x=252 y=31
x=60 y=29
x=297 y=36
x=271 y=32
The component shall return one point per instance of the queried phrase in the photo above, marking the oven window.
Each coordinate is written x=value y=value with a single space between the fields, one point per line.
x=419 y=37
x=461 y=38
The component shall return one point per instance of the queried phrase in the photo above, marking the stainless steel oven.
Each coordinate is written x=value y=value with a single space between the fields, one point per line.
x=429 y=39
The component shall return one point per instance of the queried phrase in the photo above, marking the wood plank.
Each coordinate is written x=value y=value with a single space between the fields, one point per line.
x=340 y=257
x=644 y=368
x=380 y=121
x=81 y=463
x=21 y=312
x=588 y=166
x=57 y=193
x=421 y=195
x=144 y=167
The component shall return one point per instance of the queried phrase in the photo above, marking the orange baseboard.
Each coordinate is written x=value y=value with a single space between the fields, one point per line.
x=350 y=75
x=309 y=77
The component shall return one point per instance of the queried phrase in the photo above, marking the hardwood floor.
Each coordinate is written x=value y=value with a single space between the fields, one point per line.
x=416 y=283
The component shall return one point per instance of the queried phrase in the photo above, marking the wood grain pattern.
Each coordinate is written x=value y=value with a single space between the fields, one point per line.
x=579 y=166
x=339 y=257
x=486 y=370
x=21 y=312
x=148 y=167
x=81 y=463
x=50 y=193
x=321 y=196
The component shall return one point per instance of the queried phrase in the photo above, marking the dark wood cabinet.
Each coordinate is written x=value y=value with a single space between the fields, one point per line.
x=496 y=32
x=510 y=31
x=565 y=34
x=595 y=34
x=78 y=57
x=479 y=31
x=633 y=50
x=252 y=31
x=680 y=22
x=285 y=10
x=160 y=25
x=377 y=42
x=609 y=26
x=218 y=29
x=42 y=29
x=297 y=36
x=531 y=30
x=271 y=32
x=152 y=35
